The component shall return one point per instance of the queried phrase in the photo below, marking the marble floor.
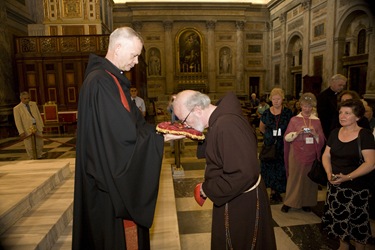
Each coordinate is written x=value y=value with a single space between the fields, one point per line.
x=294 y=230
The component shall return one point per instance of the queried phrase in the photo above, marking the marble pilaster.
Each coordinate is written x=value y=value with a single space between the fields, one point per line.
x=306 y=39
x=168 y=56
x=7 y=92
x=331 y=65
x=370 y=90
x=283 y=52
x=240 y=86
x=211 y=55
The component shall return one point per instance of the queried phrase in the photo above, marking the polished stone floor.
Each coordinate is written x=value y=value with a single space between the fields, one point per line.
x=294 y=230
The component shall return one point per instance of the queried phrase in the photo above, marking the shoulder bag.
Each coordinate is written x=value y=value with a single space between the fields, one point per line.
x=268 y=152
x=317 y=172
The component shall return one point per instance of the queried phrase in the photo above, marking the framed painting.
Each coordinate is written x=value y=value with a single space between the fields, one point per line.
x=189 y=54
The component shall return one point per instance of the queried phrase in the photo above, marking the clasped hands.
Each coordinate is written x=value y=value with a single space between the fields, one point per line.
x=337 y=179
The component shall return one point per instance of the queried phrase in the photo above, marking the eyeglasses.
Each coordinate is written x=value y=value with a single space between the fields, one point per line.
x=184 y=120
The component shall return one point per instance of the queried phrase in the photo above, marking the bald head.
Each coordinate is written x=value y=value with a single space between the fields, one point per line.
x=195 y=106
x=188 y=99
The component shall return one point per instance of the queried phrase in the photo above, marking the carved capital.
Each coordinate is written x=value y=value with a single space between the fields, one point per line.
x=282 y=17
x=168 y=25
x=210 y=25
x=268 y=26
x=137 y=25
x=306 y=4
x=240 y=25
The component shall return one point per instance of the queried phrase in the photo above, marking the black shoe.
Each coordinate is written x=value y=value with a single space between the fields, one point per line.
x=306 y=209
x=285 y=209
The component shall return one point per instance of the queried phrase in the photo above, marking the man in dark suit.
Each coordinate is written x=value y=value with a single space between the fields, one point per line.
x=327 y=104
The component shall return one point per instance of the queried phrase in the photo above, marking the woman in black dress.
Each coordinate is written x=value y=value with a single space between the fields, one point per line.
x=346 y=209
x=273 y=124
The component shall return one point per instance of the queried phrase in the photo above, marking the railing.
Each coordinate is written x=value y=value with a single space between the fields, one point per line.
x=61 y=44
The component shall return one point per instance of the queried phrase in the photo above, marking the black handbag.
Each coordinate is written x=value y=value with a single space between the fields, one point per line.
x=268 y=152
x=317 y=172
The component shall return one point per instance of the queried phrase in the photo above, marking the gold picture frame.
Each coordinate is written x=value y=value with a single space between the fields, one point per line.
x=189 y=44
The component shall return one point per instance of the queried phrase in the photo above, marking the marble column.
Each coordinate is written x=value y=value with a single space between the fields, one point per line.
x=332 y=53
x=137 y=26
x=240 y=85
x=170 y=85
x=306 y=39
x=370 y=91
x=211 y=56
x=8 y=97
x=283 y=52
x=268 y=45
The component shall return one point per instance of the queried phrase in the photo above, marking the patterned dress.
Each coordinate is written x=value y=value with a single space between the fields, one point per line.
x=273 y=172
x=346 y=209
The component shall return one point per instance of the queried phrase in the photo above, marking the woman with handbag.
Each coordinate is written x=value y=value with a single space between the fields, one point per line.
x=348 y=158
x=303 y=142
x=273 y=124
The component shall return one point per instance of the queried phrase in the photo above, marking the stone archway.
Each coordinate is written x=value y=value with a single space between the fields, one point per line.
x=294 y=65
x=354 y=42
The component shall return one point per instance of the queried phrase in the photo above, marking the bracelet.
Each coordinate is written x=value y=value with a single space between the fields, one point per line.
x=350 y=178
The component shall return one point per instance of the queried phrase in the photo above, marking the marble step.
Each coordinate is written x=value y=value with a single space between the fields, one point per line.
x=24 y=184
x=42 y=224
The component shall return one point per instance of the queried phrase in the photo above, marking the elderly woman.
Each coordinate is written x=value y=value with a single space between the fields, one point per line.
x=346 y=214
x=303 y=142
x=273 y=124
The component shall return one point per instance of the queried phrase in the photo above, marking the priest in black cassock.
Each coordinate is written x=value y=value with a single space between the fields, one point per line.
x=119 y=155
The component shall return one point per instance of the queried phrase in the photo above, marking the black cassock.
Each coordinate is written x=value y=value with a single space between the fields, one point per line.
x=118 y=162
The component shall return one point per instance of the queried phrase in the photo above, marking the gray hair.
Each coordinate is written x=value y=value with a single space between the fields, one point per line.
x=23 y=93
x=338 y=77
x=121 y=34
x=308 y=98
x=197 y=99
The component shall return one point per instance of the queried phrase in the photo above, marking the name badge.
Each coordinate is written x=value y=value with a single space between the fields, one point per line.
x=309 y=140
x=276 y=132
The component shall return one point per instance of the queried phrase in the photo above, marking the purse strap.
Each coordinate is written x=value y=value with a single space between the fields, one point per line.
x=316 y=150
x=359 y=147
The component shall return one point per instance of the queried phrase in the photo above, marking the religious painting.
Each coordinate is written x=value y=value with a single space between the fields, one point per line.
x=189 y=54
